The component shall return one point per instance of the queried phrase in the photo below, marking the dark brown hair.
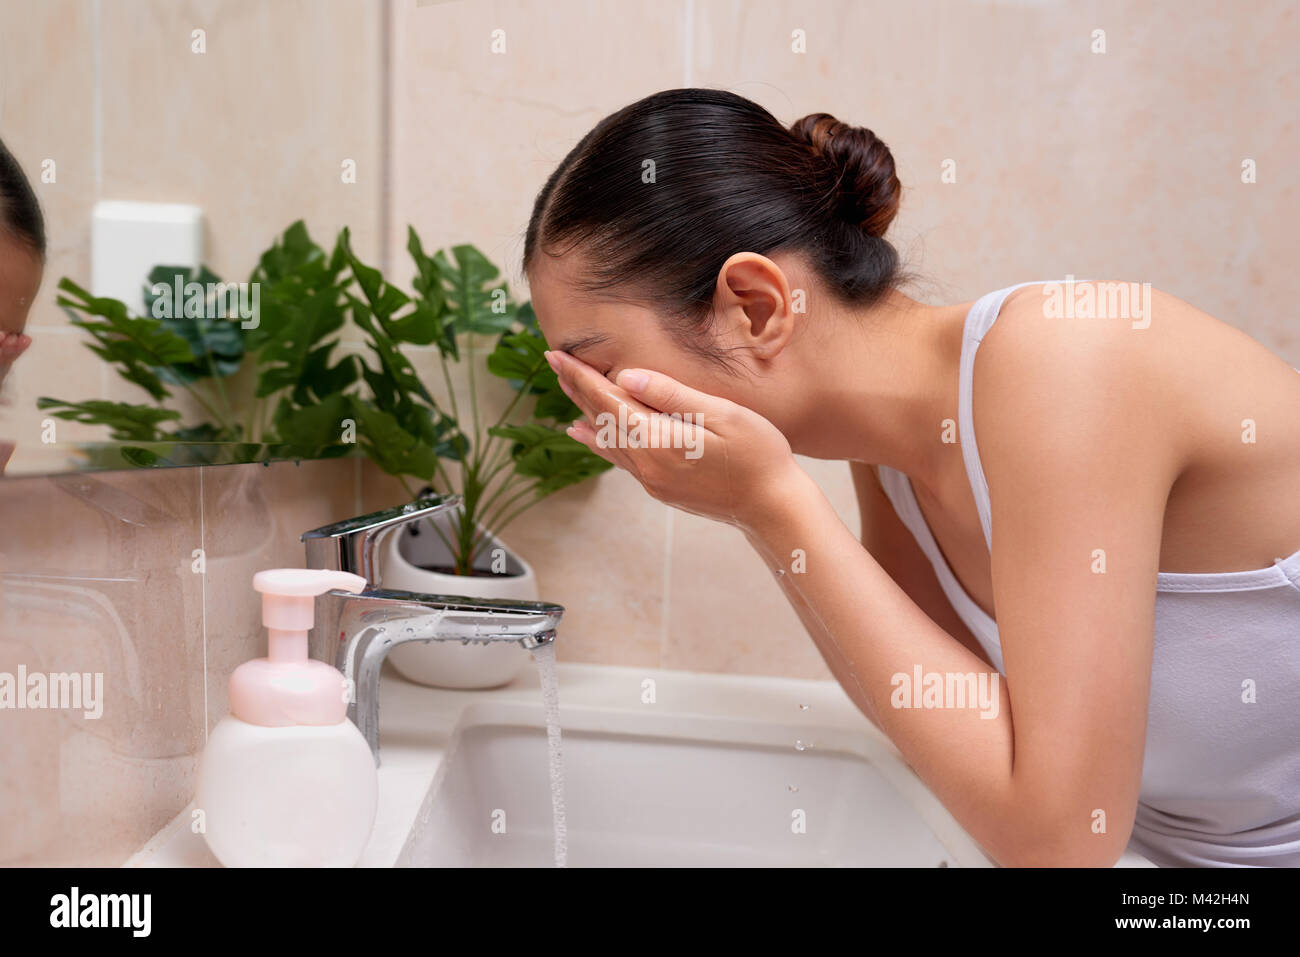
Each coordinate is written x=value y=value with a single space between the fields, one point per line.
x=20 y=213
x=727 y=178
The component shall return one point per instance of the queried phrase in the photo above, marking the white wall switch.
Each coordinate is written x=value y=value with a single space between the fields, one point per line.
x=128 y=239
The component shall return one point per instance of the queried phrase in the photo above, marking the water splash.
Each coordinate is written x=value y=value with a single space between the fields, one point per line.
x=544 y=655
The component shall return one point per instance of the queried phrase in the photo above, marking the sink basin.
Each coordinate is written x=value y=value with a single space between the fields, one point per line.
x=662 y=768
x=636 y=800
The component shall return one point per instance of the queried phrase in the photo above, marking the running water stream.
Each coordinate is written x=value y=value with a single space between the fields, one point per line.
x=544 y=655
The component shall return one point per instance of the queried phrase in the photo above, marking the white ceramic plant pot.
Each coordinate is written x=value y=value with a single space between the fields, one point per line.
x=405 y=557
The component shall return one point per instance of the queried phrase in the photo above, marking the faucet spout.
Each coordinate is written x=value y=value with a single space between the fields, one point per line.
x=375 y=621
x=355 y=632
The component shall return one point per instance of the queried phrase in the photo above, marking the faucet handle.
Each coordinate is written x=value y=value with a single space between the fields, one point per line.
x=349 y=546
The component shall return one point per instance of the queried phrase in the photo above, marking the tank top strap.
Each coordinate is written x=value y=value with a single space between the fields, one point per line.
x=979 y=320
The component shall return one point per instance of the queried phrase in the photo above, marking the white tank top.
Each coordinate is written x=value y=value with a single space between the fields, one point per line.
x=1220 y=777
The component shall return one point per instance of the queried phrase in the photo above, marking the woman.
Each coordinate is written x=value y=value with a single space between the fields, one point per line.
x=724 y=284
x=22 y=262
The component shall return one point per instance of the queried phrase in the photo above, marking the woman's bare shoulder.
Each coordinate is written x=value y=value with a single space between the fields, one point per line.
x=1117 y=317
x=1090 y=356
x=1084 y=359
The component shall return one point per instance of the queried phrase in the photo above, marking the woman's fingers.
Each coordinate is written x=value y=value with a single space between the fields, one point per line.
x=668 y=395
x=600 y=400
x=581 y=431
x=13 y=344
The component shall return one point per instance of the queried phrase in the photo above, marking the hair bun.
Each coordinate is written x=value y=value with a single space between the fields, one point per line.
x=867 y=187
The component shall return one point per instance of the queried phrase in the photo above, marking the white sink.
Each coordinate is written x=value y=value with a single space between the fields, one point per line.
x=633 y=800
x=702 y=776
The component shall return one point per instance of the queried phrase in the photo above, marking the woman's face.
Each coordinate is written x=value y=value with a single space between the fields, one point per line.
x=20 y=277
x=612 y=336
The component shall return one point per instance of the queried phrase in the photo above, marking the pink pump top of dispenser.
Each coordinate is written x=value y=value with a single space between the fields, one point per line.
x=287 y=688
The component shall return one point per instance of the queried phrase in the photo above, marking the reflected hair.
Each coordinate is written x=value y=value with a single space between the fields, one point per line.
x=20 y=212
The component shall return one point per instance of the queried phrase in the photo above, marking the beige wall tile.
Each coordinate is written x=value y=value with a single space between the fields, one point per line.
x=97 y=579
x=1125 y=165
x=726 y=611
x=47 y=113
x=254 y=130
x=476 y=133
x=56 y=364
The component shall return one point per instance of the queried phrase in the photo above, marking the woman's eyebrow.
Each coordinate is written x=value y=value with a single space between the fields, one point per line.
x=583 y=342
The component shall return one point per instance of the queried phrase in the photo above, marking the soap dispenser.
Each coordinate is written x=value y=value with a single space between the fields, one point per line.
x=286 y=779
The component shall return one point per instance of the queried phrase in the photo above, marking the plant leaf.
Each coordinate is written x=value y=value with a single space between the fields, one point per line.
x=310 y=431
x=550 y=456
x=477 y=302
x=217 y=342
x=137 y=346
x=391 y=447
x=430 y=316
x=519 y=358
x=127 y=422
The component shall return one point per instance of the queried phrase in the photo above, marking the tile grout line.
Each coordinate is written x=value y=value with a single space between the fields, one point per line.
x=97 y=151
x=668 y=567
x=97 y=101
x=203 y=602
x=387 y=162
x=688 y=57
x=688 y=43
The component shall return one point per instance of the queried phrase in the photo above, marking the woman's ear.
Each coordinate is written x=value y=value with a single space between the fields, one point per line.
x=752 y=304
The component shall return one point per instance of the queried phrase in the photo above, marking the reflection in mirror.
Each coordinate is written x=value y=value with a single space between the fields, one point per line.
x=171 y=305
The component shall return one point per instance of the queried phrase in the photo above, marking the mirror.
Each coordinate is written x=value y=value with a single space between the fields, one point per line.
x=229 y=274
x=185 y=314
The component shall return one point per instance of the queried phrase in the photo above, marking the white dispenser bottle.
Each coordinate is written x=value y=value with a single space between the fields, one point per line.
x=286 y=779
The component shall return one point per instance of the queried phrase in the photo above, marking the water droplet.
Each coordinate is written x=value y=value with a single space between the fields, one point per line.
x=803 y=707
x=780 y=571
x=802 y=745
x=943 y=863
x=792 y=787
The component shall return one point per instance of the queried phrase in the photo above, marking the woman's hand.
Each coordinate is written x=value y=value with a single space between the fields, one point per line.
x=697 y=452
x=12 y=345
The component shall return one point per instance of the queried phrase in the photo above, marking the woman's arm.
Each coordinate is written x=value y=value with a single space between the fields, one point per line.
x=902 y=559
x=1078 y=454
x=894 y=547
x=1071 y=436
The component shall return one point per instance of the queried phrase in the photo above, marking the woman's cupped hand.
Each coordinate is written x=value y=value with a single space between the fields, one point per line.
x=697 y=452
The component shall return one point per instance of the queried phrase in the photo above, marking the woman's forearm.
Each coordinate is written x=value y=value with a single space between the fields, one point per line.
x=863 y=621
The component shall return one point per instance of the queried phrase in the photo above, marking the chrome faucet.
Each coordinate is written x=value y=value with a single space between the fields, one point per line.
x=355 y=632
